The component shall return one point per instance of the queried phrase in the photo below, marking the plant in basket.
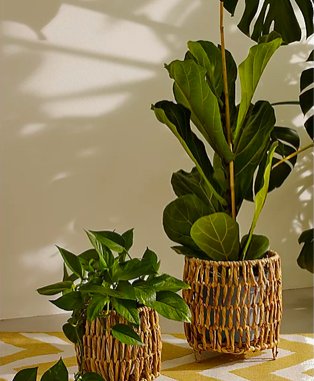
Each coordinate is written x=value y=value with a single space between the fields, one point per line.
x=115 y=300
x=235 y=295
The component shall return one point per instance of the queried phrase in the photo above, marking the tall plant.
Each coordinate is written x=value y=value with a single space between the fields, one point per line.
x=251 y=155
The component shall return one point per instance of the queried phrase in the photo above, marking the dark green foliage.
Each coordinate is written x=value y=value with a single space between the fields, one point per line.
x=306 y=257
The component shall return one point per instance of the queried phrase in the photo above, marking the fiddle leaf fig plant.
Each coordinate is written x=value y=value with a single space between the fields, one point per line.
x=237 y=150
x=105 y=278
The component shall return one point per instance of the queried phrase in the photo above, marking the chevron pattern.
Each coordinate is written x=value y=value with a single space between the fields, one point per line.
x=295 y=360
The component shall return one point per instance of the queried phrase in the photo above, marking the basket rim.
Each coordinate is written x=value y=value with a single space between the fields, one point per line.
x=273 y=256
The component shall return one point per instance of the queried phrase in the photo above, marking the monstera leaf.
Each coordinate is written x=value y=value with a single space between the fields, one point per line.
x=278 y=15
x=307 y=95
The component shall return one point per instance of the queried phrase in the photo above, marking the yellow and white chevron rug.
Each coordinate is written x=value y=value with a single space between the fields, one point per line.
x=295 y=360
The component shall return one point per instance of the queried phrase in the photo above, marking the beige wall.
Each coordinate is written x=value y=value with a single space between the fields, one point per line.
x=81 y=149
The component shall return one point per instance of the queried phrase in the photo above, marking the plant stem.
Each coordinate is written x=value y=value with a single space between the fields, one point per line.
x=285 y=103
x=227 y=110
x=293 y=154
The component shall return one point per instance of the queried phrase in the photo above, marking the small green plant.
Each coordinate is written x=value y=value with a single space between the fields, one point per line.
x=57 y=372
x=105 y=278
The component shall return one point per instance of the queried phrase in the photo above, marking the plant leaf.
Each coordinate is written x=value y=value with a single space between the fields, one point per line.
x=110 y=239
x=70 y=332
x=134 y=268
x=217 y=235
x=127 y=309
x=167 y=282
x=72 y=261
x=91 y=376
x=307 y=96
x=171 y=306
x=151 y=258
x=58 y=372
x=192 y=253
x=259 y=246
x=105 y=255
x=128 y=239
x=306 y=257
x=96 y=306
x=180 y=215
x=126 y=334
x=278 y=15
x=69 y=302
x=260 y=197
x=192 y=91
x=55 y=288
x=29 y=374
x=250 y=72
x=177 y=118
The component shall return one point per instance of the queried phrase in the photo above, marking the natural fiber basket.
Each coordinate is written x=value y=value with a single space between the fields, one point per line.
x=115 y=361
x=236 y=306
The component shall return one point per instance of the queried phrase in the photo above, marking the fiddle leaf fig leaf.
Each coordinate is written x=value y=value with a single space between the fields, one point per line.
x=177 y=118
x=306 y=257
x=58 y=372
x=29 y=374
x=250 y=72
x=192 y=90
x=180 y=215
x=259 y=246
x=217 y=235
x=126 y=334
x=188 y=252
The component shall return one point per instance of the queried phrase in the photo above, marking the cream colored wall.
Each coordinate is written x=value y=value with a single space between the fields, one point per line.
x=81 y=149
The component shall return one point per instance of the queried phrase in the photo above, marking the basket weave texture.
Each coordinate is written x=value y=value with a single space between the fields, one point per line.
x=115 y=361
x=236 y=306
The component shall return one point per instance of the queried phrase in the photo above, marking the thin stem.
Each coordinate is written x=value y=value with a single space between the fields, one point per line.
x=286 y=158
x=283 y=103
x=227 y=110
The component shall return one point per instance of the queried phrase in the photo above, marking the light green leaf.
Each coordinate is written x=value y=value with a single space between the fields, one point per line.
x=250 y=72
x=179 y=217
x=171 y=306
x=126 y=309
x=167 y=282
x=55 y=288
x=72 y=261
x=177 y=118
x=192 y=91
x=58 y=372
x=259 y=246
x=260 y=197
x=29 y=374
x=126 y=334
x=110 y=239
x=218 y=236
x=106 y=258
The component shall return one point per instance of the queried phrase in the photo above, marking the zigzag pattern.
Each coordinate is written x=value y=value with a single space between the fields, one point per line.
x=295 y=360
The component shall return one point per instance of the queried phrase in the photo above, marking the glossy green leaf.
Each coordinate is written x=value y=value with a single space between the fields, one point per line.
x=188 y=252
x=105 y=255
x=72 y=261
x=167 y=282
x=29 y=374
x=217 y=235
x=69 y=302
x=126 y=309
x=70 y=332
x=87 y=257
x=126 y=334
x=151 y=258
x=58 y=372
x=55 y=288
x=252 y=147
x=306 y=257
x=192 y=91
x=259 y=246
x=180 y=215
x=279 y=15
x=171 y=306
x=307 y=95
x=135 y=268
x=177 y=118
x=96 y=306
x=110 y=239
x=260 y=197
x=91 y=376
x=144 y=292
x=250 y=72
x=128 y=239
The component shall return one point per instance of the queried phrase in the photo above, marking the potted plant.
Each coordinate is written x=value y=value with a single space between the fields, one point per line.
x=115 y=300
x=235 y=295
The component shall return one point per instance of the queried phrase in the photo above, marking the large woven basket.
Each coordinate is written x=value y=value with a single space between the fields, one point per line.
x=236 y=306
x=115 y=361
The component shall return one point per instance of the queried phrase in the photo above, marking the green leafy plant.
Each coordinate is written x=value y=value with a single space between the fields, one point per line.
x=251 y=155
x=58 y=372
x=105 y=278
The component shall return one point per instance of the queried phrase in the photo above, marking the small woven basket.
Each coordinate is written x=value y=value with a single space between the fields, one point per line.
x=236 y=306
x=115 y=361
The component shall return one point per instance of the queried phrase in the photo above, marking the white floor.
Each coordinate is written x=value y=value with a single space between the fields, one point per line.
x=297 y=317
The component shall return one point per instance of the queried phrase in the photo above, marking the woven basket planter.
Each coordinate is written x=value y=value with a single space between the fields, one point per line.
x=236 y=306
x=115 y=361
